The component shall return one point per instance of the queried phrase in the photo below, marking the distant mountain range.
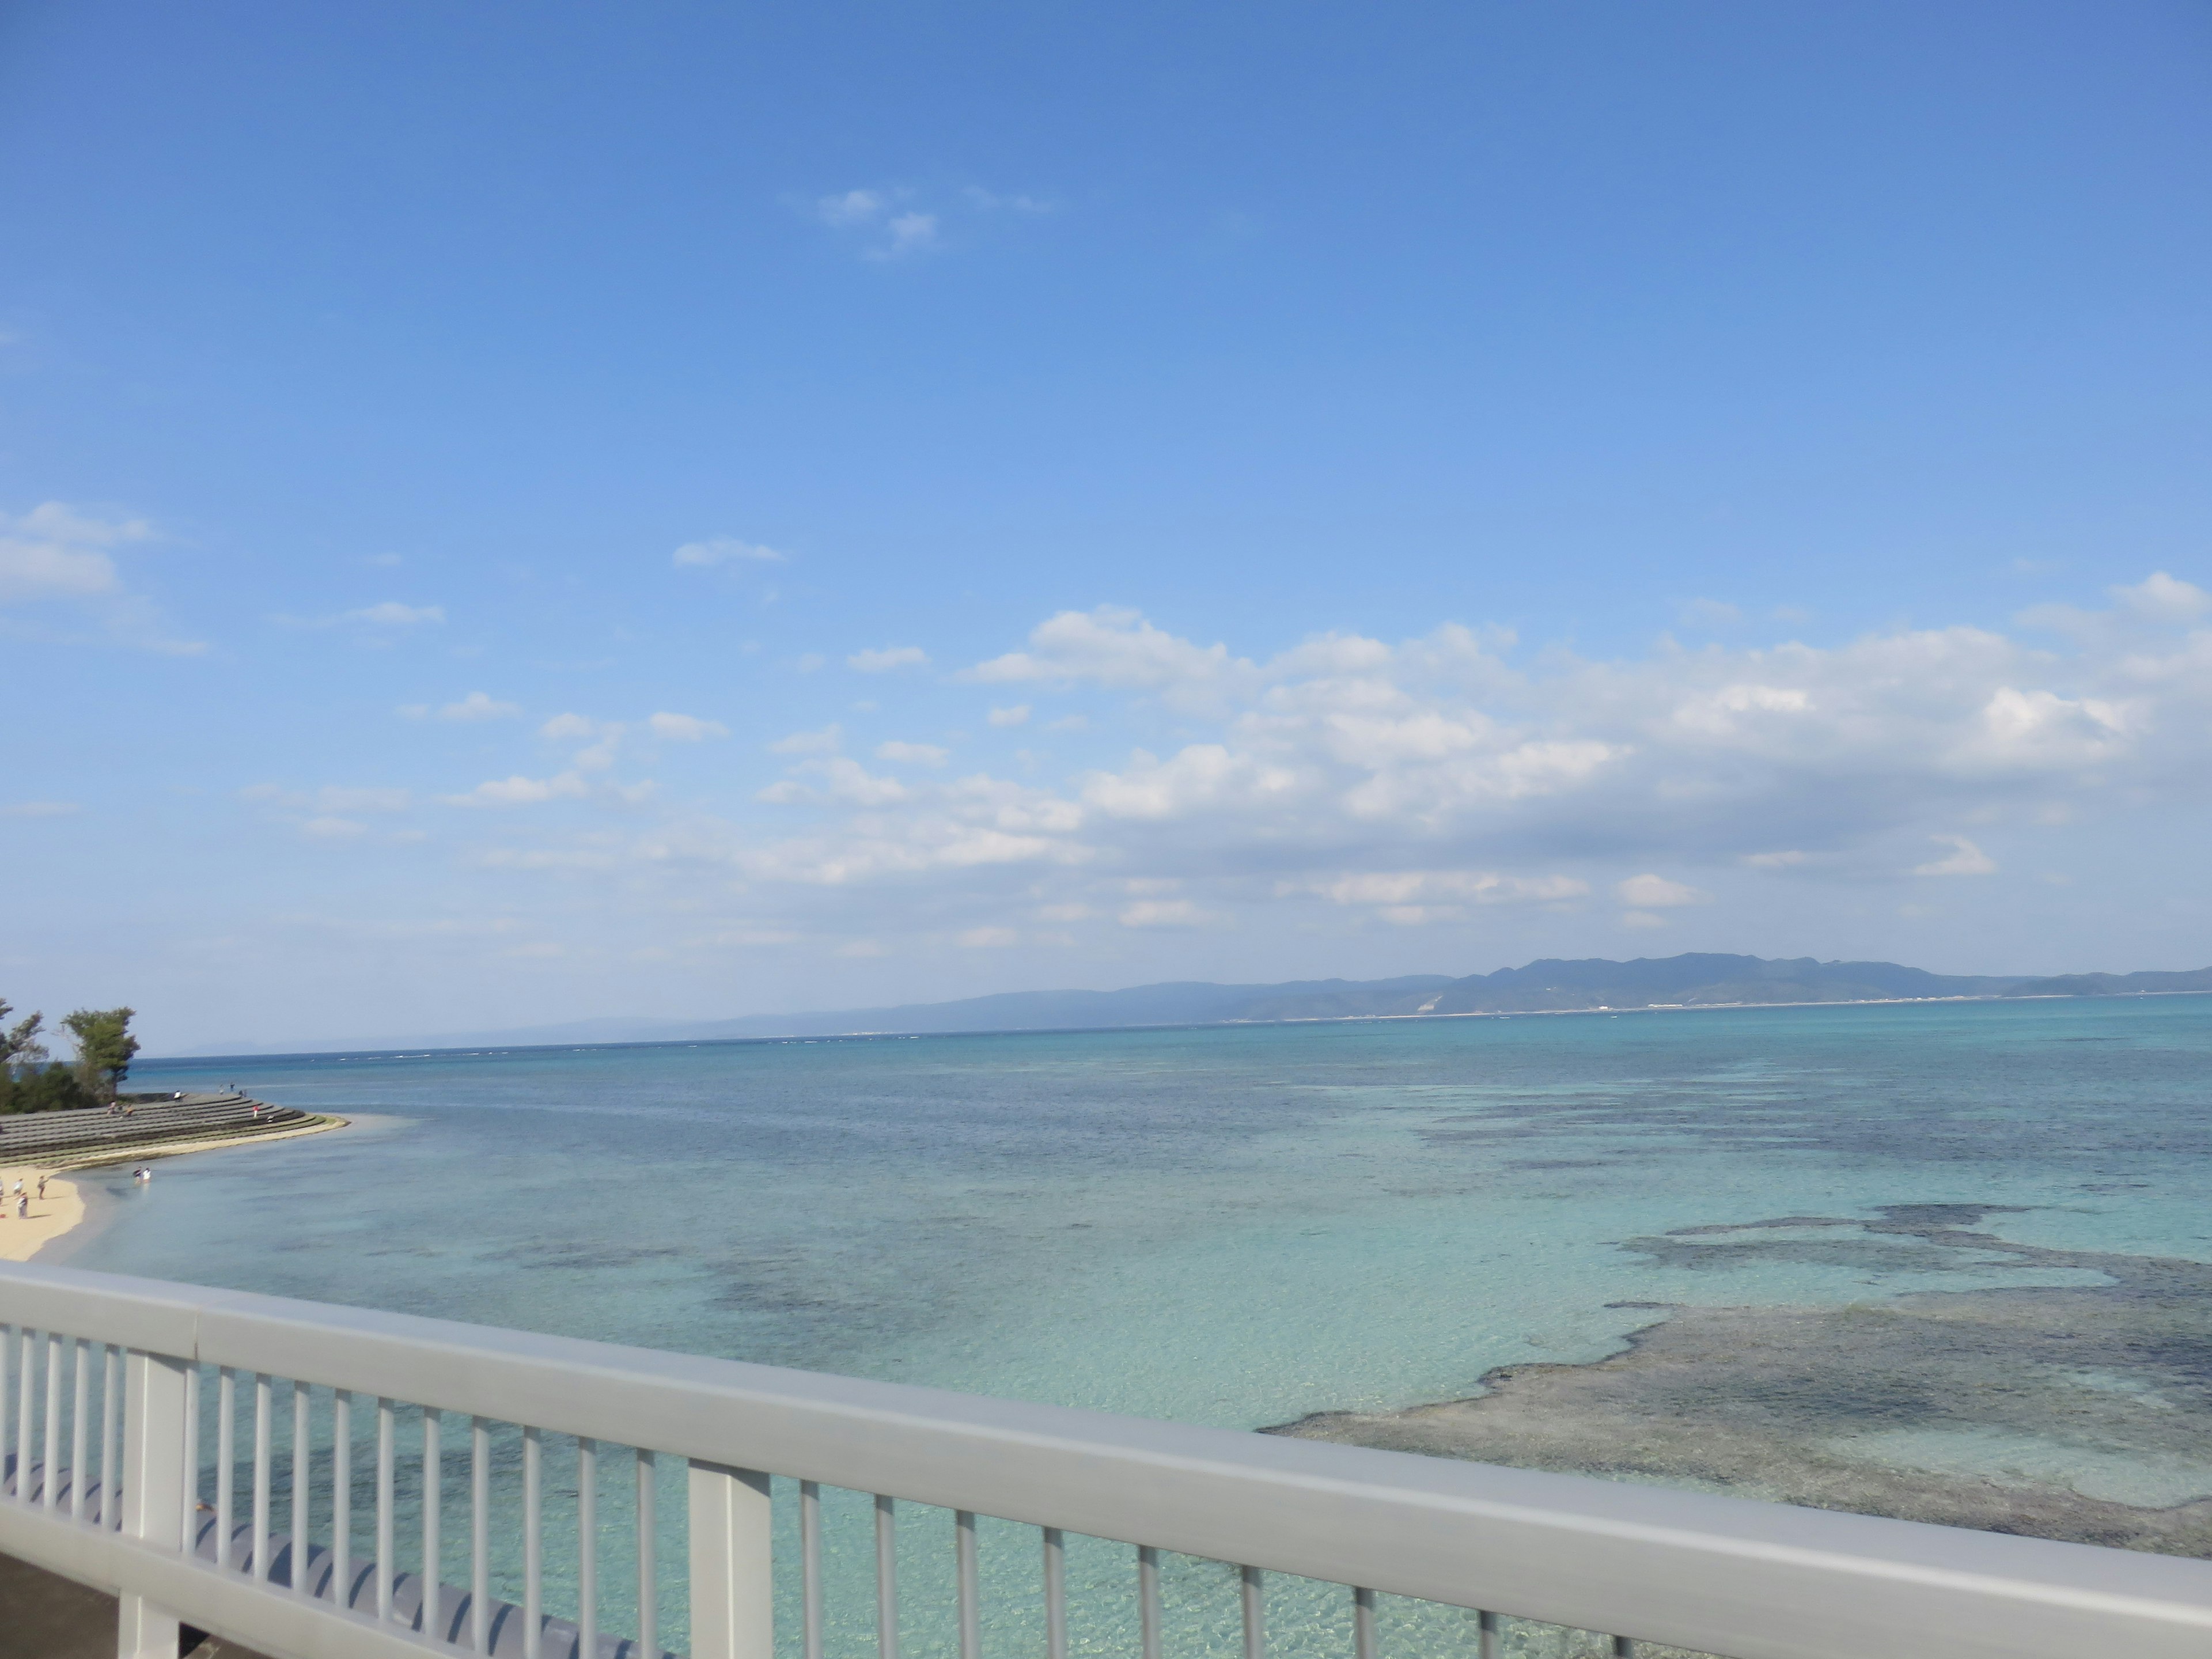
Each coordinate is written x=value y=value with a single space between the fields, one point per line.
x=1694 y=980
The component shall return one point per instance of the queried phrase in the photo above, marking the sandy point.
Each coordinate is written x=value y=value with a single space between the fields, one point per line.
x=49 y=1217
x=23 y=1237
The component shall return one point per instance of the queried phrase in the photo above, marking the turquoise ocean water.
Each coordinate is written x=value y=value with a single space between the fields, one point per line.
x=1233 y=1226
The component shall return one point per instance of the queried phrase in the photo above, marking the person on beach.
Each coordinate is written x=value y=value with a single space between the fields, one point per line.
x=42 y=1189
x=22 y=1204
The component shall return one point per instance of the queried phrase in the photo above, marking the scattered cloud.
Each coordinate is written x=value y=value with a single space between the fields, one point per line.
x=889 y=658
x=726 y=549
x=684 y=728
x=518 y=791
x=1783 y=860
x=1965 y=859
x=853 y=207
x=392 y=614
x=1017 y=715
x=1641 y=919
x=895 y=223
x=989 y=939
x=55 y=551
x=913 y=753
x=1709 y=614
x=477 y=705
x=40 y=809
x=1162 y=913
x=823 y=742
x=1650 y=892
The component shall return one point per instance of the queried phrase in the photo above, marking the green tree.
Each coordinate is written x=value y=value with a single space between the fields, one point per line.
x=104 y=1046
x=19 y=1044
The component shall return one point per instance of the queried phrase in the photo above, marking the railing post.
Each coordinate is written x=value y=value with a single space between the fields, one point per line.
x=732 y=1613
x=154 y=1491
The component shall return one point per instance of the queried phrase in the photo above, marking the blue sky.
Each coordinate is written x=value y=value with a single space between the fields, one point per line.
x=514 y=515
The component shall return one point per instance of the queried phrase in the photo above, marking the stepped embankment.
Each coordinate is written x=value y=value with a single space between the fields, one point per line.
x=38 y=1149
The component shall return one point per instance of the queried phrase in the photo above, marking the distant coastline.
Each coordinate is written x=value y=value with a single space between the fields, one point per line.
x=1665 y=985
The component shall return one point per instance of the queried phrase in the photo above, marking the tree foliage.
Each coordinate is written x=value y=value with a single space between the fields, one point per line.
x=104 y=1046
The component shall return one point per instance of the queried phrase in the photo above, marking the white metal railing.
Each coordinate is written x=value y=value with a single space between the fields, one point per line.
x=112 y=1387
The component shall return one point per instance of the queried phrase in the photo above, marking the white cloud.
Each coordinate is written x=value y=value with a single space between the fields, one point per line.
x=863 y=948
x=852 y=207
x=1111 y=647
x=1709 y=613
x=913 y=753
x=909 y=233
x=989 y=939
x=823 y=742
x=2164 y=597
x=518 y=791
x=1965 y=859
x=889 y=658
x=1015 y=715
x=40 y=809
x=1162 y=913
x=55 y=551
x=392 y=614
x=726 y=549
x=1650 y=892
x=477 y=705
x=1403 y=887
x=333 y=828
x=684 y=728
x=1434 y=779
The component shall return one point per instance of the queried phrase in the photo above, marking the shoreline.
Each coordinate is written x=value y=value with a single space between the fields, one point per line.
x=64 y=1209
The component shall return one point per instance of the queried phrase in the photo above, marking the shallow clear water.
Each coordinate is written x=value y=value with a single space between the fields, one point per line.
x=1234 y=1226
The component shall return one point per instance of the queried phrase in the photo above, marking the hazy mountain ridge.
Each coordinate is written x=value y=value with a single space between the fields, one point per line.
x=1692 y=980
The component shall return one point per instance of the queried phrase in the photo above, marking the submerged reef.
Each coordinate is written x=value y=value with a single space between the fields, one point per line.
x=2080 y=1413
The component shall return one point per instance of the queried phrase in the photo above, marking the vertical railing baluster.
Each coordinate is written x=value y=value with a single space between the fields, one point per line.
x=534 y=1540
x=1362 y=1624
x=7 y=1423
x=648 y=1558
x=479 y=1534
x=226 y=1458
x=1055 y=1593
x=887 y=1630
x=111 y=1425
x=810 y=1569
x=341 y=1498
x=50 y=1485
x=189 y=1523
x=25 y=1387
x=1255 y=1613
x=1148 y=1600
x=972 y=1618
x=264 y=1392
x=1493 y=1642
x=588 y=1548
x=303 y=1442
x=433 y=1495
x=80 y=1402
x=386 y=1434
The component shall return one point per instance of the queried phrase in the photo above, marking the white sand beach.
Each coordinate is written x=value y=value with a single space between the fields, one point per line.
x=64 y=1208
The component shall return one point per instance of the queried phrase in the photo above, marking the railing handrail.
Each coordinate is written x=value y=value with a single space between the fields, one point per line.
x=1698 y=1571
